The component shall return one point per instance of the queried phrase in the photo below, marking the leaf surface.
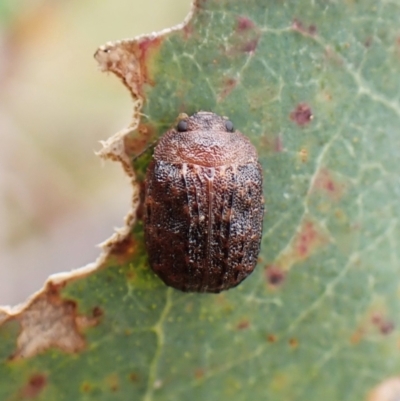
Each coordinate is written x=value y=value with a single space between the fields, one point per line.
x=315 y=86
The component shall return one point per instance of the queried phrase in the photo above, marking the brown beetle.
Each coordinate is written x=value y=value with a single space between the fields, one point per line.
x=203 y=205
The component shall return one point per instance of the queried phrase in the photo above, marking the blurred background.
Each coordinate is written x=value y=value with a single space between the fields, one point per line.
x=57 y=199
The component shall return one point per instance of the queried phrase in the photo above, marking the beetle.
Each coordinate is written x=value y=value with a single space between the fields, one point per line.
x=203 y=205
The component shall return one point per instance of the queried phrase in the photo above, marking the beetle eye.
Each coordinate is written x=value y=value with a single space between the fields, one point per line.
x=229 y=126
x=182 y=126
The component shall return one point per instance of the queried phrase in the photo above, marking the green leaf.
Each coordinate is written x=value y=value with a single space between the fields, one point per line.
x=315 y=86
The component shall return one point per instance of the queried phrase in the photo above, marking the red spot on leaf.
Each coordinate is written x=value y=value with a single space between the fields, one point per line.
x=251 y=45
x=302 y=115
x=308 y=239
x=271 y=338
x=272 y=143
x=275 y=275
x=357 y=336
x=188 y=30
x=199 y=373
x=243 y=324
x=294 y=343
x=368 y=41
x=278 y=144
x=247 y=36
x=134 y=377
x=86 y=387
x=125 y=247
x=310 y=30
x=97 y=312
x=131 y=275
x=384 y=325
x=35 y=386
x=113 y=382
x=228 y=85
x=244 y=23
x=374 y=321
x=326 y=182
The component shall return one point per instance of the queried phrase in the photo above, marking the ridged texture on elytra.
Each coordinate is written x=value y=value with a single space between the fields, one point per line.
x=203 y=223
